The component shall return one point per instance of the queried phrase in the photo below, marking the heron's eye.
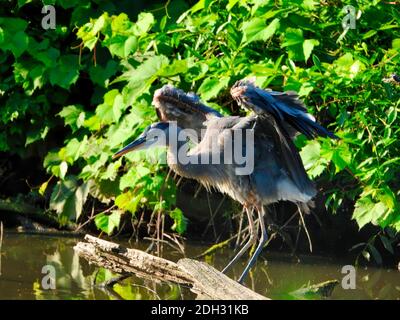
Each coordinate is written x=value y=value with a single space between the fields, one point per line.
x=151 y=137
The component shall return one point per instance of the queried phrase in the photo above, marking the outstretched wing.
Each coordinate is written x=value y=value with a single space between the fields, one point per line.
x=275 y=150
x=173 y=104
x=285 y=107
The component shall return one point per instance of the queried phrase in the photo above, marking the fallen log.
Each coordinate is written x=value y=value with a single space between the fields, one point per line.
x=204 y=280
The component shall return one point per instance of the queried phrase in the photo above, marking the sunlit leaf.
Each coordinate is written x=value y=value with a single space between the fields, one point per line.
x=108 y=222
x=180 y=221
x=256 y=29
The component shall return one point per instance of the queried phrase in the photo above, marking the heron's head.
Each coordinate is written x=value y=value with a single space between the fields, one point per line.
x=242 y=90
x=175 y=97
x=157 y=134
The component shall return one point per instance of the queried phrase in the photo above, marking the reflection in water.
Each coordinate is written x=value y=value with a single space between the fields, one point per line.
x=24 y=256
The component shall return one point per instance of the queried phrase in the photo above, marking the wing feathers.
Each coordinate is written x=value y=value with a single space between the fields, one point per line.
x=285 y=107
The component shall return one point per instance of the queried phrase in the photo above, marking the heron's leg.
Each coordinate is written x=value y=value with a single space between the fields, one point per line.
x=252 y=238
x=263 y=239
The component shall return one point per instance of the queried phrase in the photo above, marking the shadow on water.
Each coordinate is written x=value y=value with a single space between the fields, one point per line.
x=275 y=275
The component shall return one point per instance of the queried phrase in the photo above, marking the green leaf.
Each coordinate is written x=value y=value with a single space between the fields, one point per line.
x=369 y=34
x=128 y=201
x=111 y=171
x=100 y=75
x=362 y=211
x=316 y=61
x=73 y=150
x=131 y=178
x=19 y=43
x=66 y=72
x=180 y=221
x=121 y=45
x=313 y=162
x=73 y=115
x=176 y=67
x=231 y=4
x=141 y=78
x=396 y=43
x=108 y=223
x=23 y=2
x=375 y=254
x=294 y=41
x=347 y=66
x=387 y=244
x=308 y=46
x=66 y=200
x=210 y=87
x=111 y=110
x=130 y=46
x=13 y=25
x=36 y=135
x=63 y=169
x=293 y=37
x=144 y=23
x=256 y=29
x=368 y=211
x=43 y=188
x=81 y=194
x=341 y=157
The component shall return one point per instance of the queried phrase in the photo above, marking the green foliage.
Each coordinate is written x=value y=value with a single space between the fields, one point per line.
x=180 y=221
x=286 y=45
x=108 y=222
x=67 y=199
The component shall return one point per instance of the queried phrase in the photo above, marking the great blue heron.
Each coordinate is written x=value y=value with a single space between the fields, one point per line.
x=278 y=173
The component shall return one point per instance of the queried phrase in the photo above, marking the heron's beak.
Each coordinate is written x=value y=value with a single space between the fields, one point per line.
x=130 y=147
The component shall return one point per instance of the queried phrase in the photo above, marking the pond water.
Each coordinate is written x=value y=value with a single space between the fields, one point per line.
x=275 y=275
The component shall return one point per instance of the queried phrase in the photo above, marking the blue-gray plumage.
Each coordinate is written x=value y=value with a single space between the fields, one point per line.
x=285 y=107
x=278 y=172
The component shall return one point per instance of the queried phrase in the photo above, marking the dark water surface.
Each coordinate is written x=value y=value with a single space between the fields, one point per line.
x=276 y=275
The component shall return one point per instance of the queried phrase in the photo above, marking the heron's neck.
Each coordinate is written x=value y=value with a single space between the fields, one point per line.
x=178 y=161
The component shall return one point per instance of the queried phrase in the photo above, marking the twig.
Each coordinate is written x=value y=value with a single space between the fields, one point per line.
x=305 y=228
x=158 y=227
x=138 y=226
x=110 y=283
x=176 y=241
x=154 y=292
x=217 y=246
x=161 y=241
x=212 y=216
x=239 y=234
x=297 y=238
x=197 y=191
x=92 y=216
